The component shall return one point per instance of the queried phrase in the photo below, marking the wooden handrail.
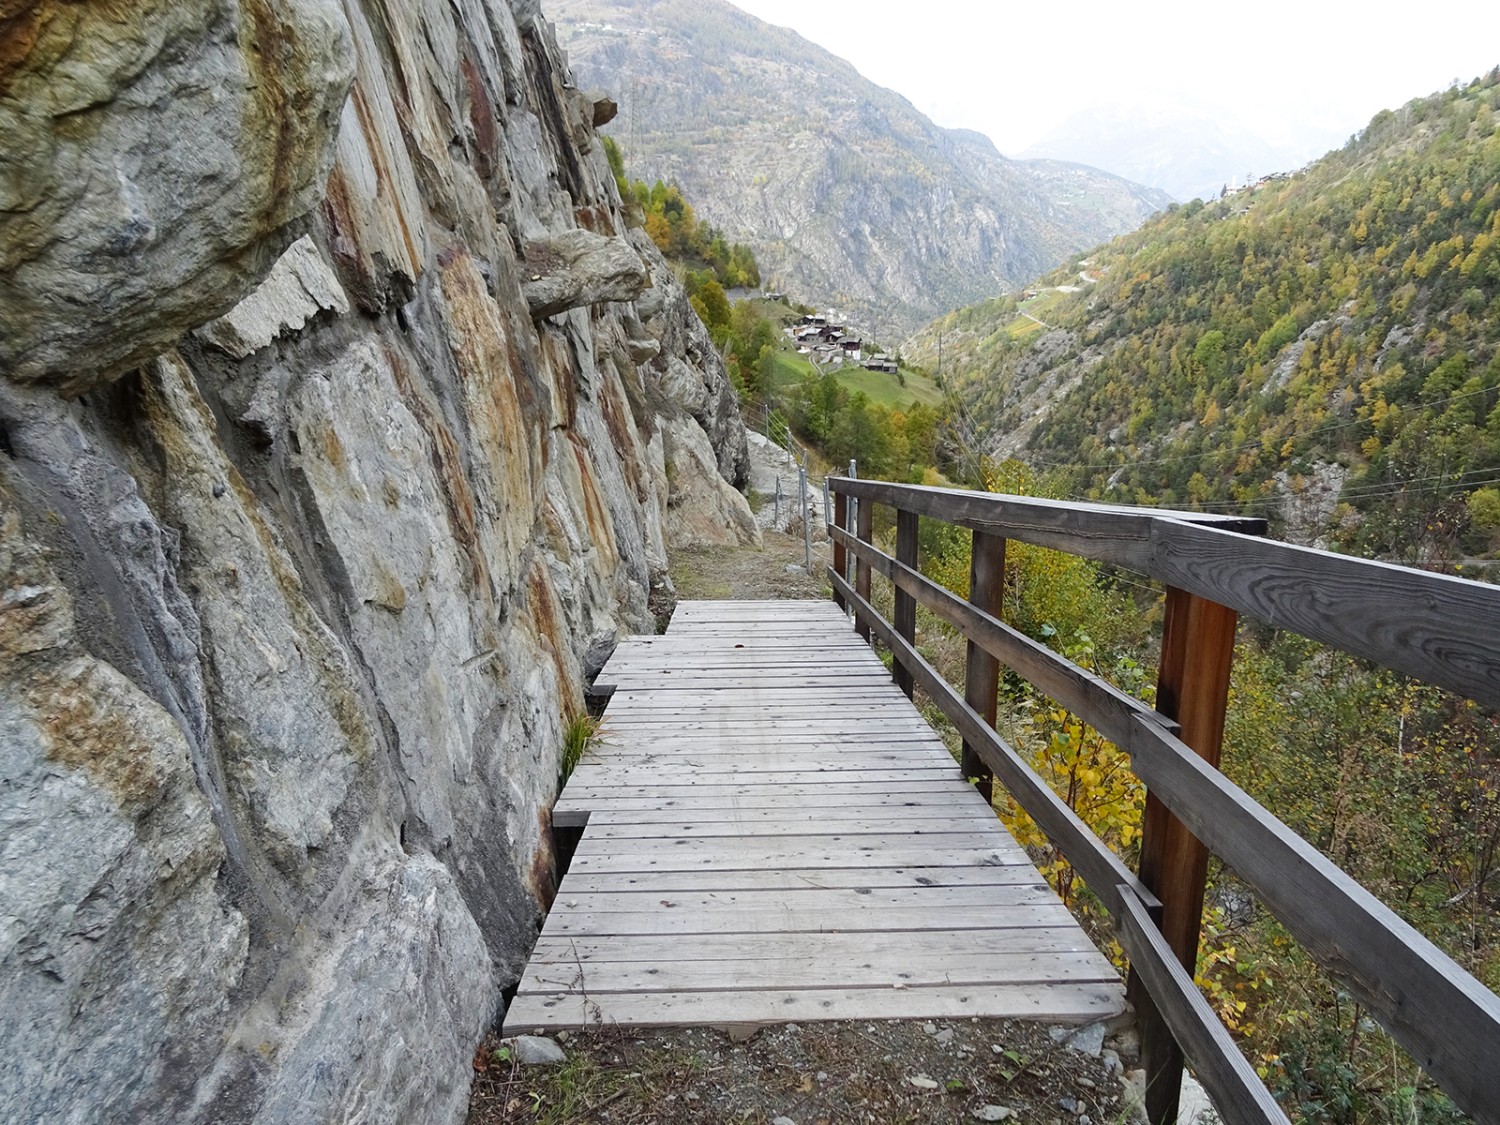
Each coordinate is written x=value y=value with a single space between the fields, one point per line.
x=1101 y=868
x=1239 y=1095
x=1110 y=709
x=1445 y=1018
x=1435 y=628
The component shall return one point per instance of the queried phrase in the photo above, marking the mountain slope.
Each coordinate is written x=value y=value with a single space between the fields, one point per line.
x=848 y=194
x=1321 y=349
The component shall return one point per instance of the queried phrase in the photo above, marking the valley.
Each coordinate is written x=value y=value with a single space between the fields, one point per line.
x=849 y=196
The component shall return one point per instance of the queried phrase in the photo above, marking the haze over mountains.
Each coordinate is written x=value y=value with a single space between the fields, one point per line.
x=1184 y=152
x=849 y=196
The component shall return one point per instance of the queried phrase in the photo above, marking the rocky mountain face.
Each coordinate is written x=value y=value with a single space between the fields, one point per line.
x=848 y=195
x=344 y=428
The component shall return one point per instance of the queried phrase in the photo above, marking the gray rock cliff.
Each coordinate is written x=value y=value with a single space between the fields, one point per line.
x=313 y=510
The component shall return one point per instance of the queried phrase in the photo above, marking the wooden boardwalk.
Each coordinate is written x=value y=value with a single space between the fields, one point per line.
x=774 y=833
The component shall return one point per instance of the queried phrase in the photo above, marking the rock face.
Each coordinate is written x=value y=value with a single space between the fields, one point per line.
x=308 y=526
x=128 y=126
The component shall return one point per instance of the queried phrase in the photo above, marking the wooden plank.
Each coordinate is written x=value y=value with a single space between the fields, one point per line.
x=746 y=859
x=786 y=909
x=911 y=754
x=773 y=809
x=805 y=849
x=669 y=882
x=807 y=826
x=561 y=924
x=703 y=797
x=789 y=777
x=1446 y=1020
x=1099 y=866
x=1066 y=1003
x=1240 y=1097
x=938 y=945
x=792 y=902
x=1431 y=626
x=776 y=808
x=1106 y=532
x=675 y=975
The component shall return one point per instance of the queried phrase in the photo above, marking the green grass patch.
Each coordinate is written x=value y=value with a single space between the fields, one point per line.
x=878 y=386
x=886 y=390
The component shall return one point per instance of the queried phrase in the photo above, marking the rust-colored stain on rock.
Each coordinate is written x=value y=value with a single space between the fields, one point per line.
x=87 y=729
x=550 y=630
x=482 y=121
x=601 y=526
x=499 y=428
x=448 y=465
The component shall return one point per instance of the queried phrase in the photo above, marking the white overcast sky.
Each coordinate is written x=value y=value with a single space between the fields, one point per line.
x=1008 y=69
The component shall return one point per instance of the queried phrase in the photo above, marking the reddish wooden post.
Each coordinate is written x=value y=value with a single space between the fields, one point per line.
x=865 y=529
x=840 y=564
x=1192 y=686
x=982 y=672
x=906 y=605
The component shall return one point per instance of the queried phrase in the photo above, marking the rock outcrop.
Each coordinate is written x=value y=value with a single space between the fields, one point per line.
x=312 y=518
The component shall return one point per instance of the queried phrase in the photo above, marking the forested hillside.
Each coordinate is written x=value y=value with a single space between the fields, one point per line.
x=1320 y=349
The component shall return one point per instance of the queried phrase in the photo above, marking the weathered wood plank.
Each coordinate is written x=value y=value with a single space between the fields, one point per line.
x=809 y=919
x=669 y=784
x=791 y=902
x=667 y=882
x=1068 y=1003
x=926 y=855
x=739 y=829
x=939 y=946
x=675 y=975
x=781 y=811
x=946 y=790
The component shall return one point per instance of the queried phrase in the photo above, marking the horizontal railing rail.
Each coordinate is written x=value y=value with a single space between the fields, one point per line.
x=1429 y=626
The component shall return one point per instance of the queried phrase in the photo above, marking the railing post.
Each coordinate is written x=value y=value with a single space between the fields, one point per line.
x=865 y=530
x=840 y=564
x=982 y=671
x=852 y=516
x=806 y=518
x=1192 y=686
x=906 y=605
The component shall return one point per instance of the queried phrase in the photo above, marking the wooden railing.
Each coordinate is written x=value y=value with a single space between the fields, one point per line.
x=1443 y=630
